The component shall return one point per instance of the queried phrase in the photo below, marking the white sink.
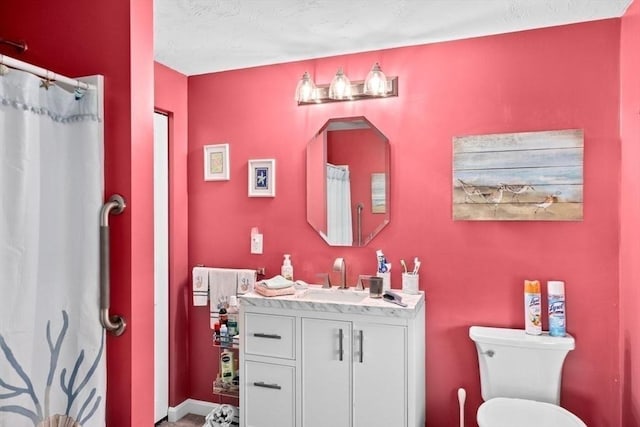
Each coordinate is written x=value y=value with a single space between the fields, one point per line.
x=334 y=295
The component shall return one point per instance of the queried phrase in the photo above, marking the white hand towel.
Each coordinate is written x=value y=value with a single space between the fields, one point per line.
x=276 y=282
x=223 y=283
x=246 y=281
x=200 y=277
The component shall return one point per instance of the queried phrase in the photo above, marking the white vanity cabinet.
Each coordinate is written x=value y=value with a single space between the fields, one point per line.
x=358 y=369
x=346 y=365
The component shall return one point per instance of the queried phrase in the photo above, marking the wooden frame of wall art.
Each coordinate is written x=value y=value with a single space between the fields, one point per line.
x=524 y=176
x=216 y=162
x=262 y=178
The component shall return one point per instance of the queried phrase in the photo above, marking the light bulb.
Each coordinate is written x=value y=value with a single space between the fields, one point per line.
x=340 y=87
x=306 y=89
x=376 y=82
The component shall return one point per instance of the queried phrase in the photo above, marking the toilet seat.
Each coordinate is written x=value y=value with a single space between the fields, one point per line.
x=509 y=412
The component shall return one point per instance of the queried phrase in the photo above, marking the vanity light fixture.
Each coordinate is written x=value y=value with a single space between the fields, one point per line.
x=375 y=85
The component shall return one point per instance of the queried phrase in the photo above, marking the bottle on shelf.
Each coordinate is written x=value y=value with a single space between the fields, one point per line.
x=226 y=366
x=224 y=335
x=216 y=333
x=232 y=316
x=222 y=315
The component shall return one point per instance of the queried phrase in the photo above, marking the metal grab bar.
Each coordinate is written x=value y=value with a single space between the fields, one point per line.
x=114 y=324
x=359 y=207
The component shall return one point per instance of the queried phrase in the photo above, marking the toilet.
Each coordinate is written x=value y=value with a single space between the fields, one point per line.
x=520 y=378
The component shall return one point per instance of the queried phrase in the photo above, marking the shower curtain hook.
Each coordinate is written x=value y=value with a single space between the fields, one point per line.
x=48 y=80
x=78 y=93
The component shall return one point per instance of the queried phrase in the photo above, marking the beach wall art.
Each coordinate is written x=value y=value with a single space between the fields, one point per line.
x=526 y=176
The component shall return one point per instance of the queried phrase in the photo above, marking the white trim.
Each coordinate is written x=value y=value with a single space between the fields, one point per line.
x=191 y=406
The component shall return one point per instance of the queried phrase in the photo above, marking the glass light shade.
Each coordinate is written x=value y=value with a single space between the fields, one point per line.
x=340 y=87
x=376 y=82
x=306 y=89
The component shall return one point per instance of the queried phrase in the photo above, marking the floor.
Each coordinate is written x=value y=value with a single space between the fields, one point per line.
x=188 y=420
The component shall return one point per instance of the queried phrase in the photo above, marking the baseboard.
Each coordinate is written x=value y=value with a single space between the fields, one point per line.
x=191 y=406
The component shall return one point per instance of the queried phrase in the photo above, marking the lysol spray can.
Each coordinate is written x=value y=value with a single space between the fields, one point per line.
x=557 y=312
x=532 y=307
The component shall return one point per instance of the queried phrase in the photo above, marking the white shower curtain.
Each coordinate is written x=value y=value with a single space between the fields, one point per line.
x=52 y=355
x=339 y=228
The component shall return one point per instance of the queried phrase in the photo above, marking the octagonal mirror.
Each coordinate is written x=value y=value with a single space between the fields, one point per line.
x=348 y=181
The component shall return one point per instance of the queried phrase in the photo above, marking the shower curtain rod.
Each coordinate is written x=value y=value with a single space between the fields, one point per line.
x=44 y=73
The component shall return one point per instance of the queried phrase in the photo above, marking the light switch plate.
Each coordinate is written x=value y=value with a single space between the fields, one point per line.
x=256 y=243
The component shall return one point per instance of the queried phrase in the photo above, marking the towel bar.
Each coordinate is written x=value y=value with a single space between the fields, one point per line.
x=114 y=324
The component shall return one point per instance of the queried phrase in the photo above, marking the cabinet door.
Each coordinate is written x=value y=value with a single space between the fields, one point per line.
x=270 y=395
x=326 y=373
x=379 y=375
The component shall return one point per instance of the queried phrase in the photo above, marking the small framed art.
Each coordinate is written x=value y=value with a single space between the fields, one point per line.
x=378 y=193
x=262 y=178
x=216 y=162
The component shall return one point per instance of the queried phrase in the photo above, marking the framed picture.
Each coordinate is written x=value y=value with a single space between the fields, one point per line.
x=378 y=193
x=216 y=162
x=262 y=178
x=523 y=176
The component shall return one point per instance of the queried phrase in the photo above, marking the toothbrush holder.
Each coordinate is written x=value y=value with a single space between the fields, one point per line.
x=386 y=280
x=410 y=283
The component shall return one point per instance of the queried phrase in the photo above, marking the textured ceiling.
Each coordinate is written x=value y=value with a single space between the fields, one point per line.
x=203 y=36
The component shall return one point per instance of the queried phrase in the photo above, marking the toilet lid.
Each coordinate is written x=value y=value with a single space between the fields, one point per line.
x=503 y=412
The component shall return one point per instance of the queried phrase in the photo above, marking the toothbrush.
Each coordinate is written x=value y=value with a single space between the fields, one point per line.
x=404 y=265
x=416 y=265
x=462 y=395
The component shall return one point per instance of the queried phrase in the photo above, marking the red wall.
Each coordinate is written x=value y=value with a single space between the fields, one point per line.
x=555 y=78
x=171 y=99
x=76 y=38
x=630 y=215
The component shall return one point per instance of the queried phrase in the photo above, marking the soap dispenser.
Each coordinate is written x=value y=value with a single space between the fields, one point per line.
x=287 y=269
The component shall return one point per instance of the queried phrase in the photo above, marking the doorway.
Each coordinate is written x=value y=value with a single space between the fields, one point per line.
x=161 y=263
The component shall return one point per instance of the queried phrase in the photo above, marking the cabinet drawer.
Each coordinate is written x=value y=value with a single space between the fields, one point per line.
x=269 y=335
x=270 y=395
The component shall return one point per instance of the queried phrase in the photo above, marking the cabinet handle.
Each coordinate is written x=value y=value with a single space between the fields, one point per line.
x=361 y=345
x=271 y=336
x=340 y=346
x=265 y=385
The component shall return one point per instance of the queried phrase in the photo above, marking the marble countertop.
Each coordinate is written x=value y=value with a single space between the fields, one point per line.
x=369 y=306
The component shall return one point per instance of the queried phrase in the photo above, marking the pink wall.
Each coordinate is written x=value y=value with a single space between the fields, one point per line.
x=629 y=215
x=555 y=78
x=171 y=98
x=78 y=38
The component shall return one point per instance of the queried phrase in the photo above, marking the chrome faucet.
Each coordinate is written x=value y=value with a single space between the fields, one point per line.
x=340 y=266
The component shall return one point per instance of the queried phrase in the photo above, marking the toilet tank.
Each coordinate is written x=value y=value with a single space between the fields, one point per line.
x=514 y=364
